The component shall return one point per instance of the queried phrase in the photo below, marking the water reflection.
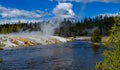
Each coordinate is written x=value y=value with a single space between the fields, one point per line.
x=95 y=48
x=67 y=56
x=61 y=59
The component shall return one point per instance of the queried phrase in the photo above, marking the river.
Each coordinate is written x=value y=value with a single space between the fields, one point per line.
x=77 y=55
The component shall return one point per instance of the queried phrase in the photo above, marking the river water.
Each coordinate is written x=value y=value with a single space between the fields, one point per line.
x=77 y=55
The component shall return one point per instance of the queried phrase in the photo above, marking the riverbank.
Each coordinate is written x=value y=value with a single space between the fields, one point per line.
x=87 y=38
x=10 y=41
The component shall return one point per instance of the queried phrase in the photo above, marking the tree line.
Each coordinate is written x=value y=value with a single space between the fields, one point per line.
x=86 y=26
x=19 y=27
x=67 y=27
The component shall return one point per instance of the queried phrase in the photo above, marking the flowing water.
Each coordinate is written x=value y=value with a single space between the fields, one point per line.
x=77 y=55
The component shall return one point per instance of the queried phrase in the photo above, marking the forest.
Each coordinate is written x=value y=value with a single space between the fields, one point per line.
x=67 y=28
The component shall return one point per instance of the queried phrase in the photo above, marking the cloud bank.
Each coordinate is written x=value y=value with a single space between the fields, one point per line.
x=109 y=14
x=64 y=10
x=9 y=14
x=87 y=1
x=16 y=13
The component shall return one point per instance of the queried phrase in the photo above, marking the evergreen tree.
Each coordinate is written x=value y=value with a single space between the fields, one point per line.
x=96 y=37
x=112 y=58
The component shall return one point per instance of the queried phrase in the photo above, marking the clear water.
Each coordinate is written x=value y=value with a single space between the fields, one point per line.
x=78 y=55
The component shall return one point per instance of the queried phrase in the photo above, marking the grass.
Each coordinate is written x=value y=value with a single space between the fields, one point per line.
x=96 y=43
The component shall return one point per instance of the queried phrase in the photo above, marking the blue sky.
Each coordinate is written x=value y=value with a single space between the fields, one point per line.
x=46 y=9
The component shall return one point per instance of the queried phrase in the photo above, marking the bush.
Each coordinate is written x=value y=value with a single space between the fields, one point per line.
x=96 y=37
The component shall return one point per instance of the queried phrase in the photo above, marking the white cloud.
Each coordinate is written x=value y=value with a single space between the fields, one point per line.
x=12 y=15
x=11 y=21
x=86 y=1
x=109 y=14
x=16 y=13
x=64 y=10
x=106 y=1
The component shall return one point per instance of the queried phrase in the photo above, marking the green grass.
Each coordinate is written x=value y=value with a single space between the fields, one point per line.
x=96 y=43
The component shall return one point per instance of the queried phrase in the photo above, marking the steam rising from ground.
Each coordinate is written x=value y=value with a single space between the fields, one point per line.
x=43 y=37
x=10 y=41
x=48 y=29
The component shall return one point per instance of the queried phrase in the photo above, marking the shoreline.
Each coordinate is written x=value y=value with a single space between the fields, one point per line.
x=88 y=38
x=17 y=41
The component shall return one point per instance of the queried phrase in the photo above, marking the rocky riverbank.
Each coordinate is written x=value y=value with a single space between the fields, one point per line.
x=8 y=41
x=16 y=41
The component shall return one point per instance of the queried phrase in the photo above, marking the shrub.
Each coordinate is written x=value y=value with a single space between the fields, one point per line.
x=96 y=37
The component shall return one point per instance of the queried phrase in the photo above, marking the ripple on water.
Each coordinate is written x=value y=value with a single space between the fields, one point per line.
x=78 y=55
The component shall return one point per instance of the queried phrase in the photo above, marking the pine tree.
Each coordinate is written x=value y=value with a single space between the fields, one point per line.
x=96 y=37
